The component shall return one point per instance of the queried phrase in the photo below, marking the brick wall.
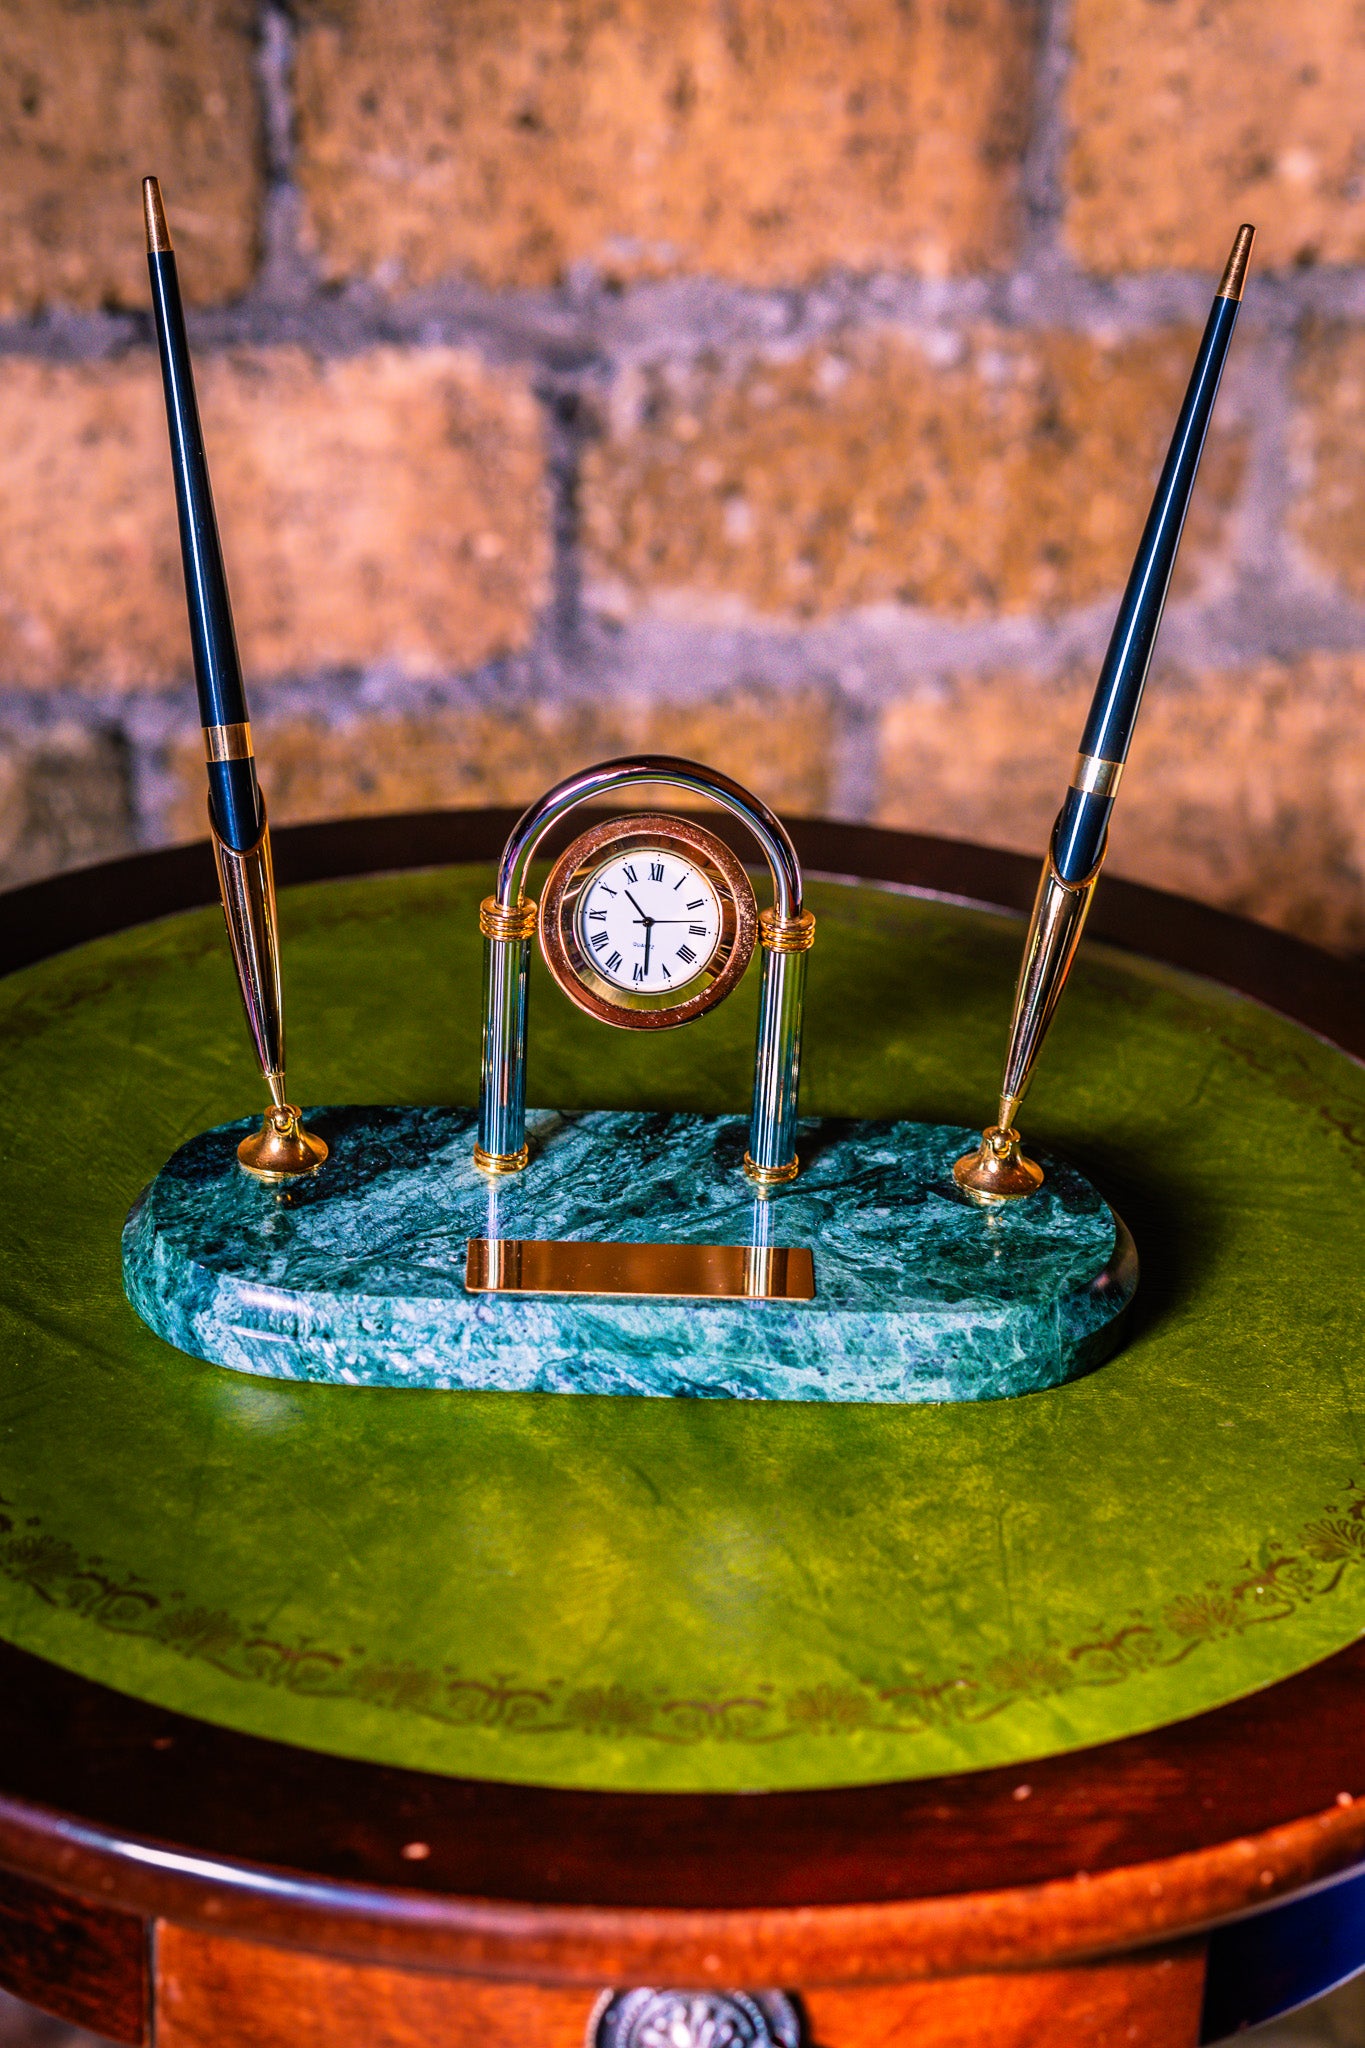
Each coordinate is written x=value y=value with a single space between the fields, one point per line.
x=780 y=381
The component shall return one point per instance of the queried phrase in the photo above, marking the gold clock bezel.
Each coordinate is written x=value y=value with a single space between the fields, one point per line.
x=577 y=974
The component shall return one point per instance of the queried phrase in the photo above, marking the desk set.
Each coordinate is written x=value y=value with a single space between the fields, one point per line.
x=386 y=1657
x=635 y=1254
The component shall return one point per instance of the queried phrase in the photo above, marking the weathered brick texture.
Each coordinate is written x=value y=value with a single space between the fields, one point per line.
x=1328 y=514
x=909 y=471
x=1277 y=833
x=778 y=743
x=64 y=801
x=383 y=508
x=1002 y=472
x=755 y=139
x=1187 y=116
x=94 y=97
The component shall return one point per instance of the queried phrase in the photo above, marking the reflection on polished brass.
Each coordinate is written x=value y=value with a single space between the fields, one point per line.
x=228 y=742
x=1094 y=777
x=786 y=934
x=501 y=1162
x=517 y=923
x=770 y=1176
x=281 y=1149
x=246 y=881
x=997 y=1171
x=154 y=214
x=569 y=961
x=1235 y=276
x=725 y=1272
x=1059 y=913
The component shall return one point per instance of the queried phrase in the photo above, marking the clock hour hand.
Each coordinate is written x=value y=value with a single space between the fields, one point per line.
x=642 y=919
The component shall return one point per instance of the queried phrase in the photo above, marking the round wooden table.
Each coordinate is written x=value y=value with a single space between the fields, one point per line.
x=166 y=1875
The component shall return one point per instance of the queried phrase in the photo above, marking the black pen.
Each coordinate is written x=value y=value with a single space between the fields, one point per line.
x=238 y=829
x=998 y=1170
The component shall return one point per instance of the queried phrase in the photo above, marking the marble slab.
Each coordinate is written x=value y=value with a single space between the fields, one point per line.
x=357 y=1277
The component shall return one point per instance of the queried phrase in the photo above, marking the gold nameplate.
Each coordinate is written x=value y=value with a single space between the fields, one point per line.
x=724 y=1272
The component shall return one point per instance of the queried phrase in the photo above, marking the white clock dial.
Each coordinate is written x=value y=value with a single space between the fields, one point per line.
x=649 y=921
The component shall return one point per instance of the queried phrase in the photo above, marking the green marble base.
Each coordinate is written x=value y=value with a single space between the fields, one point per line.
x=357 y=1277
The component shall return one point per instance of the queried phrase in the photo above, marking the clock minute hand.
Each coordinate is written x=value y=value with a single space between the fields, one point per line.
x=647 y=922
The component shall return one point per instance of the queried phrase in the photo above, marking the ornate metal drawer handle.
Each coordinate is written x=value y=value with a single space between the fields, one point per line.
x=694 y=2019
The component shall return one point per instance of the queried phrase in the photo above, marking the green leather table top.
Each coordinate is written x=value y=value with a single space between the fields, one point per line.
x=688 y=1595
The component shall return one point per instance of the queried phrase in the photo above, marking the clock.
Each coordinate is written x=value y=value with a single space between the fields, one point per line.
x=647 y=921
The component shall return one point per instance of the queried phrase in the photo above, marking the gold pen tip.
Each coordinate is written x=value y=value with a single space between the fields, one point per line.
x=1235 y=275
x=158 y=234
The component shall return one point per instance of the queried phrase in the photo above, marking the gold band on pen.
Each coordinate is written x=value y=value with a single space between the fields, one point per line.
x=228 y=742
x=1092 y=776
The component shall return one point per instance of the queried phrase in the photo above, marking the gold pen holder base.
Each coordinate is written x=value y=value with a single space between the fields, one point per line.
x=997 y=1171
x=281 y=1149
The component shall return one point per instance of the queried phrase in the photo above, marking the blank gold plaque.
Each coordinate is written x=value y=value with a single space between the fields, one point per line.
x=717 y=1272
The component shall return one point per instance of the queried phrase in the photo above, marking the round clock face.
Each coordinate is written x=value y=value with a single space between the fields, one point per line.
x=647 y=921
x=650 y=920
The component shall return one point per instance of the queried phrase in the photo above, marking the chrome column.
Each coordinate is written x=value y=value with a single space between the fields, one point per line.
x=785 y=941
x=501 y=1146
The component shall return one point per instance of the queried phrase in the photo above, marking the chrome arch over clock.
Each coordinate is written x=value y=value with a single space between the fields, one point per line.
x=694 y=2019
x=508 y=921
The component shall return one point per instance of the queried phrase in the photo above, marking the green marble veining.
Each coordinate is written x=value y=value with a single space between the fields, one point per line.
x=688 y=1595
x=357 y=1277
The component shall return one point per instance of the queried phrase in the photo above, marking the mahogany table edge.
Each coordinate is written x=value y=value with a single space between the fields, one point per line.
x=1079 y=1919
